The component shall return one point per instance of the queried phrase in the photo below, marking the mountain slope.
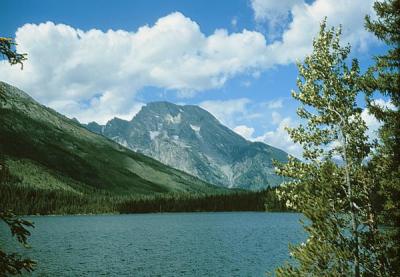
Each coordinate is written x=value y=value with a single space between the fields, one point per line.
x=37 y=140
x=191 y=139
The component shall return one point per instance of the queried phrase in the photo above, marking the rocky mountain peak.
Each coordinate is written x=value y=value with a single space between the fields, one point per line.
x=191 y=139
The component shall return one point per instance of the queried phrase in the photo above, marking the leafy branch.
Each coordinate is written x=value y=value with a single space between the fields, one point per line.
x=6 y=50
x=13 y=263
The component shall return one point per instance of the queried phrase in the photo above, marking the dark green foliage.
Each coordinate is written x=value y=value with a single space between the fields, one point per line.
x=238 y=201
x=384 y=78
x=29 y=201
x=332 y=186
x=13 y=263
x=26 y=200
x=45 y=192
x=6 y=50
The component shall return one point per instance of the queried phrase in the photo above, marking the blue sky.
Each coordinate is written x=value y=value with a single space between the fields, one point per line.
x=98 y=59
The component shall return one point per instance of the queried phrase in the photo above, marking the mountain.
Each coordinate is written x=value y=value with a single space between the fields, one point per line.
x=44 y=149
x=191 y=139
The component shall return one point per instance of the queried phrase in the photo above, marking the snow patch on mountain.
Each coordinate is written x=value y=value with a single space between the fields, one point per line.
x=173 y=119
x=153 y=134
x=195 y=128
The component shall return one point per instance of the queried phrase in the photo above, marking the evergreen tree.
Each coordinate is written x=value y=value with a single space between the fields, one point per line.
x=13 y=264
x=6 y=50
x=331 y=186
x=384 y=77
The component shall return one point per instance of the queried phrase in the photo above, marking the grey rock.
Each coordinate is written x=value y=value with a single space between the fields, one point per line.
x=191 y=139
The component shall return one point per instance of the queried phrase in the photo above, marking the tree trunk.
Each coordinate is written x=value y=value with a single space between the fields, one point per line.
x=354 y=221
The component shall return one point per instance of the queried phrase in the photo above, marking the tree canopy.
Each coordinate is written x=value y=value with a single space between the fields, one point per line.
x=332 y=186
x=383 y=78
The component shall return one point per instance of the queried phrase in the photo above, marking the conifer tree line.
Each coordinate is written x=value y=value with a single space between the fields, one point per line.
x=23 y=199
x=347 y=186
x=31 y=201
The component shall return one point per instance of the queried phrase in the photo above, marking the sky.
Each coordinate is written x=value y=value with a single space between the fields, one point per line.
x=95 y=60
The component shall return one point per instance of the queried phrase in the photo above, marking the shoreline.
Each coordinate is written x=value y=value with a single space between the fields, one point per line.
x=176 y=212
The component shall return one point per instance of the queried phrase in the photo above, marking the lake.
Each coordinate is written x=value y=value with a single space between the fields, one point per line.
x=169 y=244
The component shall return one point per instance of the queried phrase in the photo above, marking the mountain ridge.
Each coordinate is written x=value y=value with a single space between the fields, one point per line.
x=39 y=137
x=193 y=140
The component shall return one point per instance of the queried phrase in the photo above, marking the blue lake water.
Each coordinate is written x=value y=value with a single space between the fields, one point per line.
x=170 y=244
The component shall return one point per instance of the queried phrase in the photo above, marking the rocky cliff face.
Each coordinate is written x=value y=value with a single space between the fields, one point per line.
x=191 y=139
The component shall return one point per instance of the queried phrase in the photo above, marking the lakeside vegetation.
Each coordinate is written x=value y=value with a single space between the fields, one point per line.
x=28 y=188
x=344 y=173
x=32 y=201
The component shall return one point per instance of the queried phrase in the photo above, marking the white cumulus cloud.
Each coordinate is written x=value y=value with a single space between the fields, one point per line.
x=227 y=111
x=273 y=13
x=303 y=24
x=95 y=75
x=243 y=116
x=271 y=10
x=244 y=131
x=74 y=70
x=279 y=138
x=274 y=104
x=370 y=120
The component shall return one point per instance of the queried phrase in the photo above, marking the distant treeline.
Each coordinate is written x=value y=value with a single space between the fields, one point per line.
x=28 y=200
x=24 y=199
x=236 y=201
